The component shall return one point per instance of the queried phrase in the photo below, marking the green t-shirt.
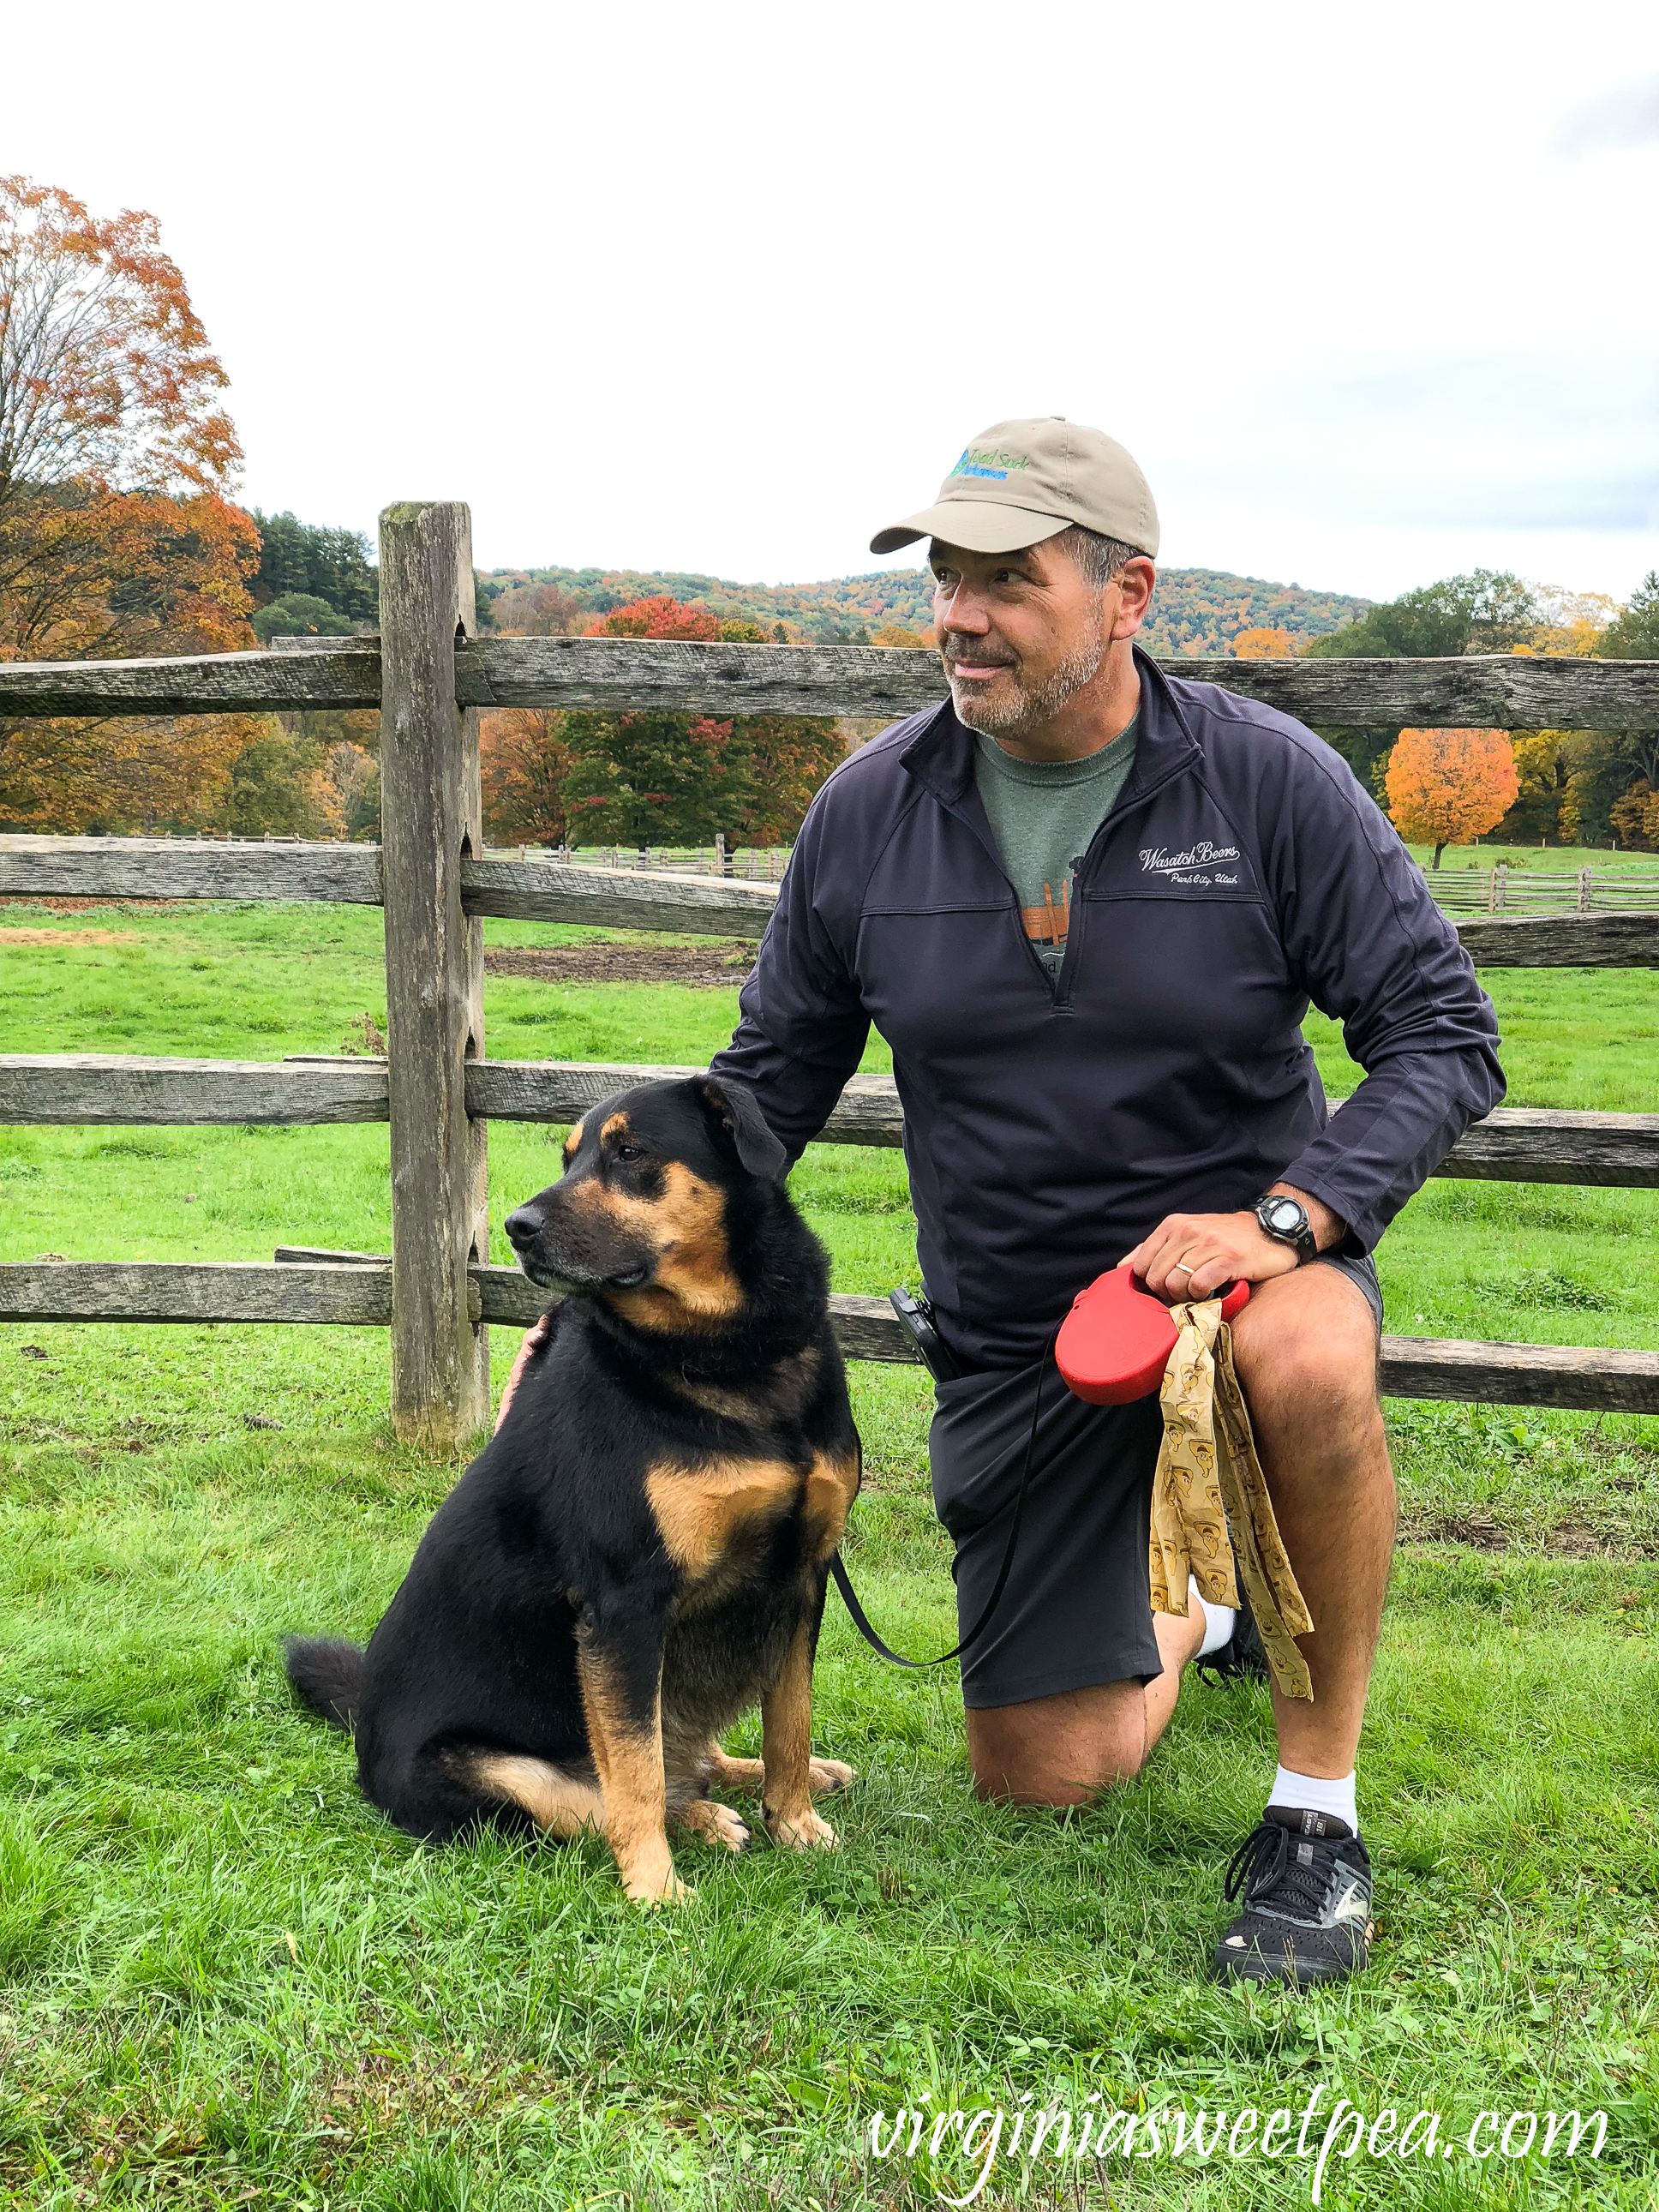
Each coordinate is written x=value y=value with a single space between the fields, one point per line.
x=1044 y=815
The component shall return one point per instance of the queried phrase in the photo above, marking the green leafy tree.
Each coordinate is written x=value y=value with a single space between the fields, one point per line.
x=1599 y=765
x=1633 y=633
x=269 y=787
x=646 y=779
x=298 y=614
x=1488 y=611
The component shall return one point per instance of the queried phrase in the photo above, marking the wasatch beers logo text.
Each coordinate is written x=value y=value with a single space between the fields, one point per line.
x=1185 y=867
x=1155 y=860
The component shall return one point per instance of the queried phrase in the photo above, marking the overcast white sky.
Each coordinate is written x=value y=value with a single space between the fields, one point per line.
x=1369 y=293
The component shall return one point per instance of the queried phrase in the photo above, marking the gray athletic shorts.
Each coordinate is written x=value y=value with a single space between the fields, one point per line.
x=1077 y=1609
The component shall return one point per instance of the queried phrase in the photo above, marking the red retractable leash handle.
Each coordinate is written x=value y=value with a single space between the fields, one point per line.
x=1115 y=1344
x=1112 y=1348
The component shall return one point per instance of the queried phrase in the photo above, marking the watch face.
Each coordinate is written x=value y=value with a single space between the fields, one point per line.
x=1284 y=1213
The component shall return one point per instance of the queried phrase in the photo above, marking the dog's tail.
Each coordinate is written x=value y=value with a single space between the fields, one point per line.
x=327 y=1674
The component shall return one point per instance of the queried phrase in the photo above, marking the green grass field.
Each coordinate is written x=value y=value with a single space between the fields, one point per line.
x=1555 y=858
x=224 y=1981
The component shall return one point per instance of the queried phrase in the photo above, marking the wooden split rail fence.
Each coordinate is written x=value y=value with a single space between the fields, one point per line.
x=426 y=670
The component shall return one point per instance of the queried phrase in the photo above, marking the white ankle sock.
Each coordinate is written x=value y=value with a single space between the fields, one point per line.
x=1218 y=1621
x=1314 y=1793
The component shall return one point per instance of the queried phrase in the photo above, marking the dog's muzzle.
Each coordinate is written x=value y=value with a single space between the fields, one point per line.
x=555 y=1257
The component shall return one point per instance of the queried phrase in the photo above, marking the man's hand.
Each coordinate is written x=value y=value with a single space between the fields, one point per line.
x=1192 y=1255
x=536 y=1335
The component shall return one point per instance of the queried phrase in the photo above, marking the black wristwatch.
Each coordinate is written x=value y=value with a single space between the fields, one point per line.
x=1285 y=1220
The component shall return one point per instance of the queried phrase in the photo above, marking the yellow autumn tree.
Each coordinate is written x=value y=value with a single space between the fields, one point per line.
x=1445 y=787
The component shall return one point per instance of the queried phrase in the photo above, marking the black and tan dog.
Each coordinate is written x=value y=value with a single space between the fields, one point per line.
x=640 y=1554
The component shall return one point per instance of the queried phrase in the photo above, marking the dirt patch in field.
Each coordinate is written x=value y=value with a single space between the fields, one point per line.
x=1476 y=1529
x=1571 y=1539
x=720 y=966
x=67 y=937
x=87 y=905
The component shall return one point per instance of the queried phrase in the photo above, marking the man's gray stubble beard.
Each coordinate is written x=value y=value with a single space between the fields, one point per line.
x=1031 y=706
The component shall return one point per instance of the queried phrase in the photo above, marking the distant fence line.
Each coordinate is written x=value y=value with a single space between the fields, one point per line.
x=436 y=1089
x=1504 y=889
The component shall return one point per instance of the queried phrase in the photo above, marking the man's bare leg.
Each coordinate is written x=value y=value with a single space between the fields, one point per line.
x=1305 y=1351
x=1064 y=1750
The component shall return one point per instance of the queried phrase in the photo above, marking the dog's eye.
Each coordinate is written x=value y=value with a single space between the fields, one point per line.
x=628 y=1152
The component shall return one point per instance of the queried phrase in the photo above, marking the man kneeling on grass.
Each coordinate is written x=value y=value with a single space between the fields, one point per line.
x=1088 y=904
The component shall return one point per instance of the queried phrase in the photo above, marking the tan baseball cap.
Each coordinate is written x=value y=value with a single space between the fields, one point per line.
x=1021 y=482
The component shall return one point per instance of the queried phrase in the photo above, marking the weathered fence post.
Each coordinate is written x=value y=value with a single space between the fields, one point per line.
x=431 y=818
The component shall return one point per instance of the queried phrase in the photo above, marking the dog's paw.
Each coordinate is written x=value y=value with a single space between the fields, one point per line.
x=654 y=1885
x=827 y=1774
x=716 y=1824
x=801 y=1831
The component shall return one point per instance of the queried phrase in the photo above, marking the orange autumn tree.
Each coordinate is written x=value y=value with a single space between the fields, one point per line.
x=525 y=762
x=659 y=616
x=1265 y=645
x=1445 y=787
x=118 y=533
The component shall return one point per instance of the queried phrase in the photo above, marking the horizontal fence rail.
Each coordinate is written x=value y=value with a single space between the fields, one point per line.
x=1502 y=691
x=186 y=868
x=116 y=1090
x=355 y=1290
x=141 y=868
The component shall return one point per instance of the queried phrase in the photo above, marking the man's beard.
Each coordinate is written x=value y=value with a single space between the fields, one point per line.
x=1032 y=704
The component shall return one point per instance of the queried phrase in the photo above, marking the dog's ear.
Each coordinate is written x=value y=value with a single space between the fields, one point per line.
x=735 y=1122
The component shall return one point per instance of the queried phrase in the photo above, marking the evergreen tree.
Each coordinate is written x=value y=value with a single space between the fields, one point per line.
x=332 y=565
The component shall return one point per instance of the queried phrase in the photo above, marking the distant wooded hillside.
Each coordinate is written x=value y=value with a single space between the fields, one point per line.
x=1196 y=610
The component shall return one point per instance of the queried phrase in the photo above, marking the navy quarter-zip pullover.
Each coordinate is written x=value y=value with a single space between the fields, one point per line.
x=1051 y=1122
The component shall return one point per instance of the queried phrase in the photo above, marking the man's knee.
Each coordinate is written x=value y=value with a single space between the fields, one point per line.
x=1326 y=1359
x=1059 y=1751
x=1044 y=1784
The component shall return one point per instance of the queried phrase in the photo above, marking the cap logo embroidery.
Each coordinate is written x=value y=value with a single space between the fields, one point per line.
x=987 y=461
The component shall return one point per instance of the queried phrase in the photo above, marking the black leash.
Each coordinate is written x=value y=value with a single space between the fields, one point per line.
x=849 y=1596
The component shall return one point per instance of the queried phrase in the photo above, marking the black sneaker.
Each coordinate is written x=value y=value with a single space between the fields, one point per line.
x=1305 y=1879
x=1242 y=1656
